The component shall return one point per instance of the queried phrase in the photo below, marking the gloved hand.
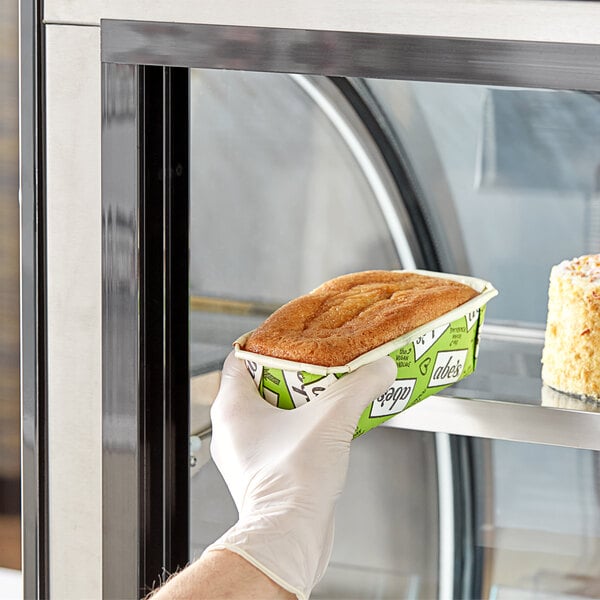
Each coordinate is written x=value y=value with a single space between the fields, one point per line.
x=286 y=468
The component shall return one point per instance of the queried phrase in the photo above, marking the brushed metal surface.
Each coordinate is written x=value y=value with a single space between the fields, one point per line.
x=32 y=334
x=503 y=421
x=75 y=99
x=541 y=20
x=120 y=333
x=145 y=378
x=351 y=54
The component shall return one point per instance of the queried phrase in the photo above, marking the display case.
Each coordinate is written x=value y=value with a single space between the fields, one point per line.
x=203 y=168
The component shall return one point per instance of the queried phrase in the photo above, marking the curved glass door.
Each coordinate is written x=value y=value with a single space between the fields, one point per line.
x=536 y=514
x=509 y=180
x=510 y=186
x=280 y=201
x=288 y=189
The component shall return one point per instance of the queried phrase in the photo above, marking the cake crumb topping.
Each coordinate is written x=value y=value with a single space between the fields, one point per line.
x=570 y=359
x=585 y=268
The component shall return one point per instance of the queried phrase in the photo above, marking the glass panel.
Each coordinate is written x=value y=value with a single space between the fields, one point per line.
x=538 y=529
x=386 y=540
x=298 y=207
x=510 y=182
x=10 y=533
x=280 y=202
x=511 y=175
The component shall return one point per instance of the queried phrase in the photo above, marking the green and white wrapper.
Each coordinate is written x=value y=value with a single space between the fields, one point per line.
x=429 y=359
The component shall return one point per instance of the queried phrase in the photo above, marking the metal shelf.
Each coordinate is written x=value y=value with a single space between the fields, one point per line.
x=505 y=399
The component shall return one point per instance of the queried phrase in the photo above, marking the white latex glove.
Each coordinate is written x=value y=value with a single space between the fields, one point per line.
x=286 y=469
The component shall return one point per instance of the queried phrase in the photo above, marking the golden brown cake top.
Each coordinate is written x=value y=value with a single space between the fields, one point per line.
x=352 y=314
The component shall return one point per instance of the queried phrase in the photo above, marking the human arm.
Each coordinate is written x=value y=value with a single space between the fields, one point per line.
x=285 y=471
x=221 y=575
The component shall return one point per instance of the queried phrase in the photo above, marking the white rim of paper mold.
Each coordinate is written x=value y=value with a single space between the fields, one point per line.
x=486 y=292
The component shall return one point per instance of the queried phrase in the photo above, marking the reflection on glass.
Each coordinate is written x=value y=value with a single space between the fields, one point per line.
x=519 y=170
x=279 y=204
x=538 y=521
x=386 y=543
x=509 y=184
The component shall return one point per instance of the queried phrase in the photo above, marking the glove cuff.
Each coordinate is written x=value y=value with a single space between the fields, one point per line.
x=283 y=550
x=223 y=545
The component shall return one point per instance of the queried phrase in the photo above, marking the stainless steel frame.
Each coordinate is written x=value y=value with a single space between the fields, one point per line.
x=120 y=332
x=534 y=20
x=352 y=54
x=34 y=478
x=145 y=341
x=570 y=64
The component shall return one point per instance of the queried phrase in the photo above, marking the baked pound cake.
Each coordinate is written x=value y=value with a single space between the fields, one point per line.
x=571 y=356
x=352 y=314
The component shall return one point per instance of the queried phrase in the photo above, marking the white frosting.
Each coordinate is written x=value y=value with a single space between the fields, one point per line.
x=585 y=269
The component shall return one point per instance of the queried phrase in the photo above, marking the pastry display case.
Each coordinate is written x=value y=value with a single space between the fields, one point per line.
x=202 y=168
x=317 y=213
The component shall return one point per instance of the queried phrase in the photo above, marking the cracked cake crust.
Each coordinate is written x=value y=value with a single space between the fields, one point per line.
x=352 y=314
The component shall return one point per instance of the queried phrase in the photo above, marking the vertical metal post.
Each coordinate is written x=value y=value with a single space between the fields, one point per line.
x=145 y=336
x=34 y=466
x=120 y=332
x=152 y=314
x=177 y=401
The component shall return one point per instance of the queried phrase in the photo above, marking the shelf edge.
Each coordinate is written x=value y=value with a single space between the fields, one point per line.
x=502 y=421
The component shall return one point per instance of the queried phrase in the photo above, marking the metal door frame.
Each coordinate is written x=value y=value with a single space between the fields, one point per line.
x=145 y=381
x=34 y=401
x=126 y=43
x=77 y=26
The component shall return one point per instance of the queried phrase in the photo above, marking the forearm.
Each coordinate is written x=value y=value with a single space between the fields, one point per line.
x=285 y=470
x=220 y=575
